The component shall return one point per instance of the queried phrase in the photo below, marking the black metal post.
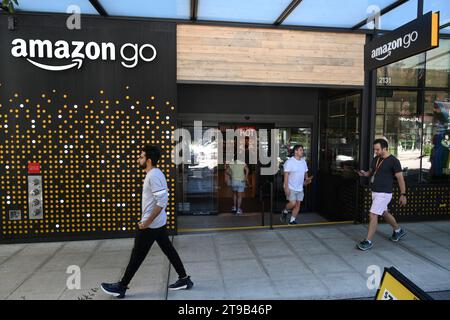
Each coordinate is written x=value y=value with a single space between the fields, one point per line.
x=271 y=206
x=419 y=8
x=421 y=92
x=262 y=203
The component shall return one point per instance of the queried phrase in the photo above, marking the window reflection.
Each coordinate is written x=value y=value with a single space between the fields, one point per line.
x=340 y=135
x=401 y=125
x=436 y=155
x=402 y=73
x=438 y=65
x=289 y=137
x=419 y=138
x=197 y=177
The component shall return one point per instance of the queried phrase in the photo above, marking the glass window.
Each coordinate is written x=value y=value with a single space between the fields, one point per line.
x=401 y=103
x=60 y=6
x=197 y=177
x=289 y=137
x=380 y=104
x=397 y=17
x=379 y=125
x=401 y=125
x=340 y=135
x=401 y=73
x=436 y=131
x=438 y=5
x=438 y=65
x=431 y=97
x=329 y=13
x=255 y=11
x=175 y=9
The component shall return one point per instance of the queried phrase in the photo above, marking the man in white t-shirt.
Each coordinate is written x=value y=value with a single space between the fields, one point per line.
x=152 y=227
x=295 y=177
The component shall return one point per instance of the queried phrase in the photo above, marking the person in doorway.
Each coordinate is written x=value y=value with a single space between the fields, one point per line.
x=152 y=227
x=237 y=172
x=383 y=169
x=295 y=177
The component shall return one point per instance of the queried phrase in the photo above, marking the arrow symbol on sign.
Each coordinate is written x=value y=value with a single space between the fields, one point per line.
x=75 y=62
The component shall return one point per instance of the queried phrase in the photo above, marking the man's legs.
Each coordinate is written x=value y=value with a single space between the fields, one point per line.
x=296 y=209
x=142 y=244
x=239 y=199
x=391 y=220
x=398 y=232
x=373 y=224
x=167 y=248
x=235 y=199
x=290 y=205
x=380 y=202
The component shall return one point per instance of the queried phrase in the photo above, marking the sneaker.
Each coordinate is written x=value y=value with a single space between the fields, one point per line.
x=364 y=245
x=181 y=284
x=233 y=210
x=396 y=236
x=293 y=222
x=239 y=211
x=283 y=216
x=114 y=289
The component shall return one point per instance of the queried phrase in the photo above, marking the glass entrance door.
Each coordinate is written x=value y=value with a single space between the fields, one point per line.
x=197 y=178
x=288 y=138
x=250 y=203
x=206 y=196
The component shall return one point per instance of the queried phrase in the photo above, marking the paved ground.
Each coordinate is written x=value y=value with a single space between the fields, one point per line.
x=248 y=219
x=285 y=263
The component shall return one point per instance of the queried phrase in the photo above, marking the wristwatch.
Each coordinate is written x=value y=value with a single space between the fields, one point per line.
x=403 y=194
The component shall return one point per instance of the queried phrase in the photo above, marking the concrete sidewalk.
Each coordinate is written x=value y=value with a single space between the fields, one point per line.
x=286 y=263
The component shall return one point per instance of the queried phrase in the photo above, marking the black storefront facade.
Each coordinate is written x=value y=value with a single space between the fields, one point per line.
x=131 y=82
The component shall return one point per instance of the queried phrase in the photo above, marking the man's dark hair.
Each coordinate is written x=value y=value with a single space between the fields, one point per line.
x=153 y=153
x=298 y=146
x=383 y=143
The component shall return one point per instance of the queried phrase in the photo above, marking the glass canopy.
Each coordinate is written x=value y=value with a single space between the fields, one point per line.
x=347 y=14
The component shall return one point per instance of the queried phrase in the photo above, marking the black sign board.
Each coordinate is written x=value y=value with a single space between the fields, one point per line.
x=410 y=39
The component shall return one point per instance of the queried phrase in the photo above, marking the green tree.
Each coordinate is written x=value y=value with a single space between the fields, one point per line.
x=9 y=4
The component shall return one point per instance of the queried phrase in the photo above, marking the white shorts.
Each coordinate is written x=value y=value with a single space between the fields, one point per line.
x=295 y=196
x=380 y=201
x=238 y=186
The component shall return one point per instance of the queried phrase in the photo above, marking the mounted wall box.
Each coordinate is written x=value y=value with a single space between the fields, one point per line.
x=35 y=205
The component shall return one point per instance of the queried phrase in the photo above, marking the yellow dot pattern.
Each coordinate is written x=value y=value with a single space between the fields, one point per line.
x=423 y=202
x=88 y=153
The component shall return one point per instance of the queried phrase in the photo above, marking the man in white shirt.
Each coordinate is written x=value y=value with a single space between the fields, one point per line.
x=295 y=176
x=152 y=227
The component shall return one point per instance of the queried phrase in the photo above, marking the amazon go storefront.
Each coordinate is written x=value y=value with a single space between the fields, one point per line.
x=77 y=105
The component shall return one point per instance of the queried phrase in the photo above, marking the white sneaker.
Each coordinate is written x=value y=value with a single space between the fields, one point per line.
x=239 y=211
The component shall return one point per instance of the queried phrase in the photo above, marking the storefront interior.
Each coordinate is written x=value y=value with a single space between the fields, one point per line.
x=206 y=201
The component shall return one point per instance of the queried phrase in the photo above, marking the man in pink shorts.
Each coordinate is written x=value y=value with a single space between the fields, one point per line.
x=383 y=169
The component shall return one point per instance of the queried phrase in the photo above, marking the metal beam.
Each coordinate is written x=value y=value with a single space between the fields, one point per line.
x=419 y=8
x=287 y=12
x=101 y=11
x=194 y=10
x=445 y=25
x=383 y=11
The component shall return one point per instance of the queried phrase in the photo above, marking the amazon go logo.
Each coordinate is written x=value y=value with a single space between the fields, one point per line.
x=78 y=51
x=384 y=51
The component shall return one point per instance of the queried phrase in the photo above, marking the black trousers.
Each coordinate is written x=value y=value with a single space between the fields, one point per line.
x=142 y=244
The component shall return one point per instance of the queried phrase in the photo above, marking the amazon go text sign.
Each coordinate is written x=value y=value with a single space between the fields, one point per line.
x=410 y=39
x=75 y=52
